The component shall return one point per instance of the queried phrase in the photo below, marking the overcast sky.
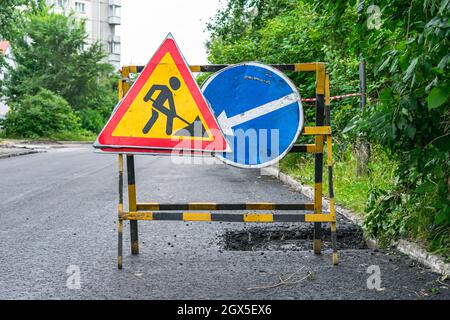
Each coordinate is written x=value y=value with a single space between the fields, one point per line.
x=145 y=24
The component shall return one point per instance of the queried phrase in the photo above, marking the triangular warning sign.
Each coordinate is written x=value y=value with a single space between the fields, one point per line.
x=164 y=109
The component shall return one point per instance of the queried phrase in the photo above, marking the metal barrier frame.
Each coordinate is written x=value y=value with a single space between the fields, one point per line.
x=190 y=211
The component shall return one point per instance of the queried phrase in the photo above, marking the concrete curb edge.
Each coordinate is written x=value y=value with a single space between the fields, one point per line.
x=17 y=154
x=412 y=249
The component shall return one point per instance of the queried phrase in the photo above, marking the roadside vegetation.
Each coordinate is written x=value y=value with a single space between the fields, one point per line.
x=61 y=87
x=407 y=119
x=351 y=191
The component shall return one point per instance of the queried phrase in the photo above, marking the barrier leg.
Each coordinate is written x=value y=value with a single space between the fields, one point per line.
x=318 y=172
x=132 y=204
x=120 y=244
x=334 y=244
x=317 y=244
x=330 y=171
x=331 y=196
x=120 y=210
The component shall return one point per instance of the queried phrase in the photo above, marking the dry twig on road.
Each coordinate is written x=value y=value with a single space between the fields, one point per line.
x=284 y=281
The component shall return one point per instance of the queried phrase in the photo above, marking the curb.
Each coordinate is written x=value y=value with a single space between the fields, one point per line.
x=413 y=250
x=75 y=142
x=10 y=155
x=418 y=253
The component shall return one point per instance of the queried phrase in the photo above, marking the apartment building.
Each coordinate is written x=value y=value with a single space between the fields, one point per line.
x=6 y=52
x=102 y=21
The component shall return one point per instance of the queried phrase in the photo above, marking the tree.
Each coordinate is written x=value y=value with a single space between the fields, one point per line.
x=12 y=13
x=52 y=52
x=411 y=114
x=291 y=31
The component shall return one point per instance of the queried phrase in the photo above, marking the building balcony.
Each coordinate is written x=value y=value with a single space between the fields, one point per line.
x=114 y=38
x=114 y=12
x=114 y=20
x=115 y=3
x=114 y=58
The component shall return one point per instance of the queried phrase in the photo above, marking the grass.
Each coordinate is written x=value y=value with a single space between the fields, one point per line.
x=350 y=191
x=85 y=136
x=74 y=136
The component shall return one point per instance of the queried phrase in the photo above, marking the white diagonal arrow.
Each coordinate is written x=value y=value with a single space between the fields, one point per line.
x=228 y=123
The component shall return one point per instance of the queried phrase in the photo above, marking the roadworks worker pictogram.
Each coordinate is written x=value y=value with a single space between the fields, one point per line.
x=165 y=95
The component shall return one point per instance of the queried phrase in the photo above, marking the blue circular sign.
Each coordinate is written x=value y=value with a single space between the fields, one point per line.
x=259 y=111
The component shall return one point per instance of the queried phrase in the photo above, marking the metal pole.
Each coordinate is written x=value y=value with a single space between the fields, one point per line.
x=318 y=164
x=120 y=211
x=330 y=171
x=132 y=204
x=362 y=82
x=120 y=208
x=363 y=146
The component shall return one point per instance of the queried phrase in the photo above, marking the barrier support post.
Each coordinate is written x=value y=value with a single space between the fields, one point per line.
x=120 y=206
x=120 y=211
x=319 y=140
x=330 y=171
x=134 y=238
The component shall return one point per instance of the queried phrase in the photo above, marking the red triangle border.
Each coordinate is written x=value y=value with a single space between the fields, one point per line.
x=106 y=139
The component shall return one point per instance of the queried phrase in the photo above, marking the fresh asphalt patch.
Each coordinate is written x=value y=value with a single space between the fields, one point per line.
x=294 y=237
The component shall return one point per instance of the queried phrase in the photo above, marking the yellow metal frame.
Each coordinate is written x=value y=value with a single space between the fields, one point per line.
x=322 y=135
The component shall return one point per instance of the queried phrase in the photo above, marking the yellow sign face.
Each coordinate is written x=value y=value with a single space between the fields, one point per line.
x=164 y=108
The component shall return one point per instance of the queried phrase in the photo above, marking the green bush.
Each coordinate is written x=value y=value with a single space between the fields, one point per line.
x=41 y=115
x=91 y=120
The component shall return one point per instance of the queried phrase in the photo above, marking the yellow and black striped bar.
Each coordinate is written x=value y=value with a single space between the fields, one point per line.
x=134 y=237
x=224 y=206
x=124 y=82
x=330 y=169
x=124 y=86
x=318 y=161
x=120 y=89
x=296 y=67
x=317 y=130
x=120 y=206
x=225 y=217
x=120 y=210
x=303 y=148
x=126 y=70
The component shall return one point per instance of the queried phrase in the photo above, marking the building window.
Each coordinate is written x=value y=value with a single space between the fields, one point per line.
x=114 y=11
x=80 y=7
x=114 y=47
x=61 y=3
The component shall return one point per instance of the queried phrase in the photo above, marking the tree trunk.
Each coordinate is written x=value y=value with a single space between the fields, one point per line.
x=362 y=157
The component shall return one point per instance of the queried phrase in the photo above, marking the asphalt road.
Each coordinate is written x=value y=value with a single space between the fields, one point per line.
x=58 y=209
